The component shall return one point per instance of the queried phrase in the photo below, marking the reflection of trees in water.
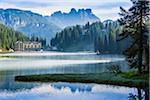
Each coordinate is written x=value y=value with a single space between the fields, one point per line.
x=142 y=94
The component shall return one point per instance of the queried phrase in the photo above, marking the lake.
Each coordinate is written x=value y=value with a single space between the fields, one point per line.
x=28 y=63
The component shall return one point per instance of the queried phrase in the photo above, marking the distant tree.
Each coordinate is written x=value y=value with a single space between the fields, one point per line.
x=8 y=37
x=135 y=26
x=43 y=41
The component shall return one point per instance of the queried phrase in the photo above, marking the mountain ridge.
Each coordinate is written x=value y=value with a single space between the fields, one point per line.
x=32 y=23
x=74 y=17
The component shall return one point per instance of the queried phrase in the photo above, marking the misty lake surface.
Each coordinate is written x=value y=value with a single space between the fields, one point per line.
x=28 y=63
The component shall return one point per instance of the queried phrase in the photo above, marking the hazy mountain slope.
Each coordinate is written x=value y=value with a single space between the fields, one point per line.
x=28 y=22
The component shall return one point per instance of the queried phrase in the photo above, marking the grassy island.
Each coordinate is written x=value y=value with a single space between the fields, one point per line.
x=122 y=79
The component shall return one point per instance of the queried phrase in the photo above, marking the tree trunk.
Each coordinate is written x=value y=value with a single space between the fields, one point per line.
x=140 y=55
x=139 y=94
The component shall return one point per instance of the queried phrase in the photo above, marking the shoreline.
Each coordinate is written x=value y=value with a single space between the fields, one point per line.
x=100 y=78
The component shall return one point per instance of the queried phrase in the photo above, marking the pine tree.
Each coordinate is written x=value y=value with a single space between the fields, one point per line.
x=135 y=27
x=8 y=37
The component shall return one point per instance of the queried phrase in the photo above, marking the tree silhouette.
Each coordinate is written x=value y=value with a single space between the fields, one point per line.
x=135 y=24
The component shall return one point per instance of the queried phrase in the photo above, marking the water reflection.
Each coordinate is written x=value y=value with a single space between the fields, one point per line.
x=52 y=62
x=7 y=77
x=70 y=91
x=15 y=64
x=142 y=94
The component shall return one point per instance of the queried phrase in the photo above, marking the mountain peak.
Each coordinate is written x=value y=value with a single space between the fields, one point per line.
x=57 y=13
x=88 y=10
x=74 y=17
x=73 y=10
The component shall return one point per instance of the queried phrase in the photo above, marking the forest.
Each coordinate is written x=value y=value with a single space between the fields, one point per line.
x=8 y=37
x=98 y=36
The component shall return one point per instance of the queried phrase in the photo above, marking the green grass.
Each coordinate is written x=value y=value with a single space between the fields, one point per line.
x=101 y=78
x=134 y=75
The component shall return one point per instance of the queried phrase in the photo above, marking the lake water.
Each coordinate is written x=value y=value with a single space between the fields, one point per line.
x=29 y=63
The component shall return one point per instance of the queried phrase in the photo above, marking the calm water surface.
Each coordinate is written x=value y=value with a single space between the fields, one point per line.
x=53 y=62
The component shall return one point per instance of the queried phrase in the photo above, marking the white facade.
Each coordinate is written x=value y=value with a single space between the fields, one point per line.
x=23 y=46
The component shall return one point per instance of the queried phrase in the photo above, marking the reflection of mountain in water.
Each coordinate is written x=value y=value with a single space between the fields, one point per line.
x=73 y=91
x=73 y=87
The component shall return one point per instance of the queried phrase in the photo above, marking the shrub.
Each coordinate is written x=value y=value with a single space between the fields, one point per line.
x=114 y=69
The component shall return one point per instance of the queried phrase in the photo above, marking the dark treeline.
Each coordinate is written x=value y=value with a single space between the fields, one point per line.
x=96 y=37
x=8 y=37
x=106 y=39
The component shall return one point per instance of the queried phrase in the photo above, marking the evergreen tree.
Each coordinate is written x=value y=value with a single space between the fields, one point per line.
x=135 y=27
x=8 y=37
x=95 y=37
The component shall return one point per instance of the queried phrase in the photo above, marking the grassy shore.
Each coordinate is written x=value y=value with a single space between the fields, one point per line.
x=122 y=79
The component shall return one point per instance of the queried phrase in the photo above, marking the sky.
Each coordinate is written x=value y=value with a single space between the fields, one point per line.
x=104 y=9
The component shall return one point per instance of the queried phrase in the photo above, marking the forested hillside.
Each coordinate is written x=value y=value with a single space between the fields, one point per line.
x=32 y=23
x=97 y=36
x=8 y=37
x=28 y=22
